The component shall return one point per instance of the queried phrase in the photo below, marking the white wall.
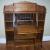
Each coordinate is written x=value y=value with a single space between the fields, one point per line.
x=46 y=3
x=2 y=30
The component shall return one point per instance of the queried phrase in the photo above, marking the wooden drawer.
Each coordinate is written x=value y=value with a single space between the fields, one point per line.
x=25 y=47
x=27 y=41
x=25 y=36
x=26 y=29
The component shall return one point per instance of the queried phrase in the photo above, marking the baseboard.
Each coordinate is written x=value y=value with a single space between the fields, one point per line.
x=45 y=38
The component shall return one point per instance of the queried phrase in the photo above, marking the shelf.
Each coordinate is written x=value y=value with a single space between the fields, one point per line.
x=8 y=21
x=19 y=45
x=41 y=20
x=9 y=29
x=25 y=20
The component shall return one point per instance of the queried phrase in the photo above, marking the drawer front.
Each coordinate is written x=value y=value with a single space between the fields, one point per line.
x=20 y=42
x=24 y=36
x=25 y=47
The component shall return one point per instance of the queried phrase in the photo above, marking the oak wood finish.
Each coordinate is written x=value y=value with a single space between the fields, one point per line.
x=26 y=35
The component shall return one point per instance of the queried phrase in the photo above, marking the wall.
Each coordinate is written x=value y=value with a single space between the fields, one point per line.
x=46 y=3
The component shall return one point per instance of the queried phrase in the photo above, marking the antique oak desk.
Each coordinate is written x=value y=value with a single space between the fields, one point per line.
x=24 y=24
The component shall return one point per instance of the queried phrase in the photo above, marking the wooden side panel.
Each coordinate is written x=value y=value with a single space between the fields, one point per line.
x=40 y=9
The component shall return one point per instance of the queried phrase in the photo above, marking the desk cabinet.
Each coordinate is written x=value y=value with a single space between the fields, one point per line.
x=24 y=24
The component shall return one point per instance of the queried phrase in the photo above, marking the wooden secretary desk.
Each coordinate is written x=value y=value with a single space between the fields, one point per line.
x=24 y=24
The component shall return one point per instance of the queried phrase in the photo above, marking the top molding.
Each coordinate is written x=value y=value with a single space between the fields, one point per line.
x=22 y=7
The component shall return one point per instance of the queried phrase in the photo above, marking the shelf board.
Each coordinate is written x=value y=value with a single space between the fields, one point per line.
x=9 y=29
x=28 y=33
x=24 y=45
x=8 y=21
x=41 y=20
